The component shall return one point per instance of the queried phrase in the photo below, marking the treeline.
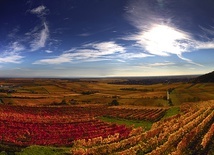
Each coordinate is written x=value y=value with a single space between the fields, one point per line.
x=135 y=89
x=154 y=80
x=89 y=92
x=7 y=91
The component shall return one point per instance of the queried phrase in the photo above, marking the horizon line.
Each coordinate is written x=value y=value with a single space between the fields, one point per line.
x=97 y=77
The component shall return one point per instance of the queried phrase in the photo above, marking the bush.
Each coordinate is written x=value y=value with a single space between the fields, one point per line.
x=114 y=103
x=63 y=102
x=170 y=102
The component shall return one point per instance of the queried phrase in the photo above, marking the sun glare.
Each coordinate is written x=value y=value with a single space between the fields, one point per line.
x=162 y=40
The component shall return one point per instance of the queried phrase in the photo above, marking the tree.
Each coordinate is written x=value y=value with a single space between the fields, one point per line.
x=114 y=103
x=63 y=102
x=170 y=102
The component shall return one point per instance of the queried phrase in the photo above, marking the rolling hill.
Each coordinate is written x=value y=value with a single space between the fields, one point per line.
x=209 y=77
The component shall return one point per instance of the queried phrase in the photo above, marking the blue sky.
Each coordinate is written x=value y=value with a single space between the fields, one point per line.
x=104 y=38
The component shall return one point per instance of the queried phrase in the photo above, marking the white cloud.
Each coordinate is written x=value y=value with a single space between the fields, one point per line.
x=134 y=55
x=12 y=53
x=162 y=40
x=161 y=64
x=11 y=58
x=40 y=33
x=188 y=60
x=88 y=52
x=205 y=45
x=105 y=48
x=48 y=51
x=158 y=36
x=16 y=47
x=40 y=38
x=40 y=10
x=66 y=57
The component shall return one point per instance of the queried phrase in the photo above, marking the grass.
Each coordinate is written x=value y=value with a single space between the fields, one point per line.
x=171 y=112
x=42 y=150
x=145 y=124
x=192 y=93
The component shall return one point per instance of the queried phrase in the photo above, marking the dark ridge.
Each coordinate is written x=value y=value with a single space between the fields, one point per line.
x=206 y=78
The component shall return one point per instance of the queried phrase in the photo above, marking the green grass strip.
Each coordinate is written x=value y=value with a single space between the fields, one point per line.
x=145 y=124
x=42 y=150
x=171 y=112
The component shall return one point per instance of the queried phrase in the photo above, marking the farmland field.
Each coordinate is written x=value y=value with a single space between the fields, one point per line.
x=80 y=116
x=100 y=91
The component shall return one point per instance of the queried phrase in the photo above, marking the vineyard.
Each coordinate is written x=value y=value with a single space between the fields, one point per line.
x=190 y=133
x=79 y=129
x=60 y=126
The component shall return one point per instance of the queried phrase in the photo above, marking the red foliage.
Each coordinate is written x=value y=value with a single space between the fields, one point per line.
x=24 y=126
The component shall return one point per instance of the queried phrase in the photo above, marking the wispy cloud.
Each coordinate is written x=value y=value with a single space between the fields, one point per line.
x=40 y=11
x=35 y=39
x=208 y=31
x=16 y=47
x=188 y=60
x=48 y=51
x=40 y=35
x=11 y=58
x=12 y=53
x=206 y=41
x=105 y=48
x=84 y=34
x=88 y=52
x=40 y=38
x=128 y=56
x=157 y=35
x=66 y=57
x=14 y=32
x=161 y=64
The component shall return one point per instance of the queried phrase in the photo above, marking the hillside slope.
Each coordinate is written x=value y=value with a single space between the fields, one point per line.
x=209 y=77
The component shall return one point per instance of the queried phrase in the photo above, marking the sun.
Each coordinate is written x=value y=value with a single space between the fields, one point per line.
x=163 y=39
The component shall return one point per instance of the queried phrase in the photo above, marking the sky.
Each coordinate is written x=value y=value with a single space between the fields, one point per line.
x=106 y=38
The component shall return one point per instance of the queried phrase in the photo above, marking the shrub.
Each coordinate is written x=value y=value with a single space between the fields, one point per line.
x=114 y=103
